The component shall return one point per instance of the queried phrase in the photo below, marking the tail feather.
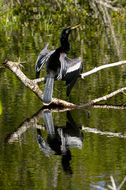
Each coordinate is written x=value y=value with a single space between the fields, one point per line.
x=47 y=97
x=48 y=120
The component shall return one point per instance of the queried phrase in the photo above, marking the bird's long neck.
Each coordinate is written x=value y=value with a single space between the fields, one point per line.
x=65 y=46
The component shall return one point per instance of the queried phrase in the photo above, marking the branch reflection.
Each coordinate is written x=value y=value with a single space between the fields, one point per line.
x=59 y=139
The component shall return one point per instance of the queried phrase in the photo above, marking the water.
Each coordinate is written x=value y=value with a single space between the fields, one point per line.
x=77 y=150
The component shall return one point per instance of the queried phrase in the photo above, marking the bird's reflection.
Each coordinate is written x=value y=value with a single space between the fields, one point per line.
x=60 y=139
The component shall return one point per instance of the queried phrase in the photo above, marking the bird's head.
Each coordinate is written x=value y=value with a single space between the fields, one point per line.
x=64 y=38
x=66 y=31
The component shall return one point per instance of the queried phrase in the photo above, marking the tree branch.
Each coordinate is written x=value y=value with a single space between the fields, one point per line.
x=103 y=98
x=38 y=80
x=108 y=96
x=32 y=84
x=102 y=67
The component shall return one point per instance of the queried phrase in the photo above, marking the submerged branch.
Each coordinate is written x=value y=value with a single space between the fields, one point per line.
x=38 y=80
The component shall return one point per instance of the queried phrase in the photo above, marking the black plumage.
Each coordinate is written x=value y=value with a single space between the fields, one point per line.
x=58 y=65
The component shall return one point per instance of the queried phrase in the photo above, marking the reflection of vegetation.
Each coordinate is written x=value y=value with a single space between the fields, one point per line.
x=0 y=108
x=23 y=18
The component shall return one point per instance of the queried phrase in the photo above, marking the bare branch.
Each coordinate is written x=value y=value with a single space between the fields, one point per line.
x=31 y=84
x=102 y=67
x=108 y=96
x=38 y=80
x=103 y=98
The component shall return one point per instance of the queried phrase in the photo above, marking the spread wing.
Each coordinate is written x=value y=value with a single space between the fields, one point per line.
x=43 y=58
x=70 y=70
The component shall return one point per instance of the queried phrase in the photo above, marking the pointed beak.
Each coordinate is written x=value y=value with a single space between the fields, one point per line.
x=75 y=27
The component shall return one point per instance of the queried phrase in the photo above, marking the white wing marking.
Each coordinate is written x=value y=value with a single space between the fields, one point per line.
x=74 y=67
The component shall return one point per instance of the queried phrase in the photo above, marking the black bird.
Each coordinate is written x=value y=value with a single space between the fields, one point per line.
x=58 y=65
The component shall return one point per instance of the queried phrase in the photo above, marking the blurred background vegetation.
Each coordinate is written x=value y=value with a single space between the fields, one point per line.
x=37 y=19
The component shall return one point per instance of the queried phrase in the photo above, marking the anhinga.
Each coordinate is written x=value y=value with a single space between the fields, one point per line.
x=58 y=65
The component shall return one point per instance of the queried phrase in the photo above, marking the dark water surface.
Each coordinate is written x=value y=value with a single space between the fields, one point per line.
x=76 y=150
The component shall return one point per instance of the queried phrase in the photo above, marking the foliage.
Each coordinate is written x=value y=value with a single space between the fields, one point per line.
x=39 y=14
